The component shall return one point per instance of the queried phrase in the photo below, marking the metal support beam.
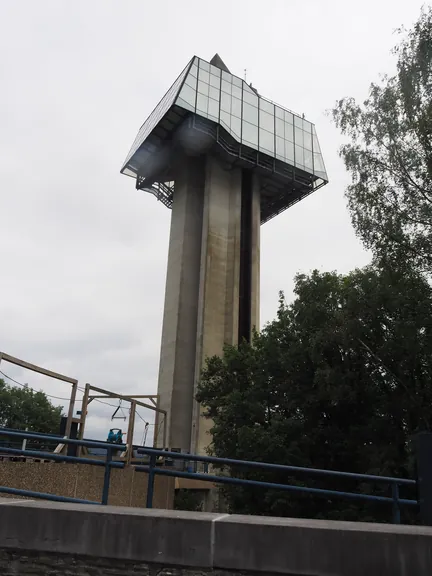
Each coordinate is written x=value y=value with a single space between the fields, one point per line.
x=85 y=402
x=134 y=402
x=130 y=431
x=34 y=368
x=158 y=423
x=135 y=396
x=108 y=394
x=50 y=374
x=71 y=409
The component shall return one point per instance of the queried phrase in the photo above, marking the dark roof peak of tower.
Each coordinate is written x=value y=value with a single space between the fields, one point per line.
x=219 y=63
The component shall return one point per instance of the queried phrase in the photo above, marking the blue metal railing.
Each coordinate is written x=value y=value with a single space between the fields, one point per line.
x=108 y=463
x=394 y=500
x=153 y=469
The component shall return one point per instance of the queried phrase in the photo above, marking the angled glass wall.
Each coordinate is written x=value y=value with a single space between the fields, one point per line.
x=251 y=119
x=157 y=114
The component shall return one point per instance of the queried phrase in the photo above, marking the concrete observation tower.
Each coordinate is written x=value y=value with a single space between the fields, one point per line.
x=225 y=160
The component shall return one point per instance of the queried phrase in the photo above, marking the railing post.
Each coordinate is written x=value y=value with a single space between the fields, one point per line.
x=396 y=509
x=424 y=476
x=107 y=476
x=150 y=482
x=24 y=442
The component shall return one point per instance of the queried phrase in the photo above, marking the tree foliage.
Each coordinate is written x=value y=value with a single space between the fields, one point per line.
x=189 y=500
x=22 y=408
x=339 y=380
x=389 y=155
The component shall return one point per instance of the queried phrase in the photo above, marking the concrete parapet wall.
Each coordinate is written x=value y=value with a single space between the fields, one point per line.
x=45 y=537
x=127 y=487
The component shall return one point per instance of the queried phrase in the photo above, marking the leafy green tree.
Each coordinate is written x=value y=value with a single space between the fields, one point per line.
x=389 y=155
x=339 y=380
x=188 y=500
x=22 y=408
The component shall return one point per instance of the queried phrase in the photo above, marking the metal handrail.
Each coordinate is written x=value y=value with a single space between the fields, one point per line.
x=395 y=499
x=71 y=441
x=275 y=467
x=152 y=469
x=108 y=463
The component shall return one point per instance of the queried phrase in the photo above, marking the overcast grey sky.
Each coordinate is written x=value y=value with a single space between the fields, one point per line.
x=83 y=254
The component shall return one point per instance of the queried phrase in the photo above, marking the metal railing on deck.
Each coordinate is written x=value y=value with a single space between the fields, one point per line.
x=108 y=463
x=153 y=469
x=395 y=483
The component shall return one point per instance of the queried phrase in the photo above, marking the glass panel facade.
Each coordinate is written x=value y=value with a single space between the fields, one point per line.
x=236 y=91
x=280 y=148
x=250 y=98
x=299 y=156
x=252 y=120
x=214 y=70
x=236 y=127
x=298 y=135
x=159 y=112
x=203 y=78
x=266 y=141
x=307 y=138
x=308 y=162
x=214 y=93
x=255 y=121
x=225 y=102
x=204 y=65
x=226 y=86
x=203 y=88
x=250 y=113
x=213 y=109
x=289 y=131
x=185 y=104
x=266 y=106
x=202 y=103
x=188 y=94
x=215 y=81
x=289 y=152
x=250 y=134
x=225 y=118
x=236 y=107
x=266 y=121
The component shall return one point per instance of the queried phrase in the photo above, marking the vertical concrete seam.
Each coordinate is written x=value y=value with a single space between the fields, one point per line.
x=213 y=536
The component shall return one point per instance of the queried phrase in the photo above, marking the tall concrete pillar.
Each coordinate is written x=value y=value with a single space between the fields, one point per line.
x=212 y=289
x=218 y=304
x=177 y=359
x=256 y=239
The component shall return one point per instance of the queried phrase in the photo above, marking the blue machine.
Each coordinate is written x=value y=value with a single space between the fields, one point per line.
x=115 y=436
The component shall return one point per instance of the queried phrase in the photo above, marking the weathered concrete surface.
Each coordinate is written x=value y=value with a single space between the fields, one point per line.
x=177 y=359
x=201 y=311
x=127 y=487
x=218 y=304
x=131 y=534
x=322 y=548
x=256 y=243
x=50 y=538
